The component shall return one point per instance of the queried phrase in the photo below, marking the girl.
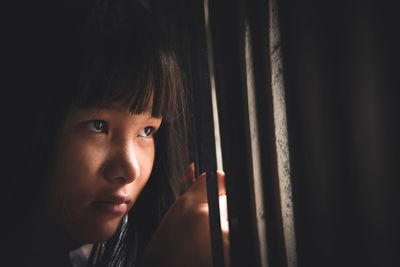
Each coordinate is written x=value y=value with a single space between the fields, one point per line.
x=110 y=144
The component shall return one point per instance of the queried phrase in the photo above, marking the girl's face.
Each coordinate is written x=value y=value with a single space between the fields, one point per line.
x=103 y=161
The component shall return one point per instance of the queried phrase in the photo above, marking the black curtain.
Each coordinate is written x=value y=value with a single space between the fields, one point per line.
x=342 y=77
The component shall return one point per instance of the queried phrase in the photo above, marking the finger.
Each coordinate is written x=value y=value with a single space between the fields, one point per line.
x=187 y=179
x=221 y=183
x=223 y=213
x=201 y=179
x=199 y=189
x=190 y=172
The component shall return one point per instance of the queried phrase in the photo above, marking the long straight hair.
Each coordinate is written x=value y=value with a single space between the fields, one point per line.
x=128 y=58
x=103 y=52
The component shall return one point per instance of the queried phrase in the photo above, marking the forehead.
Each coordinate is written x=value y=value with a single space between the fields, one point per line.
x=122 y=105
x=110 y=109
x=123 y=108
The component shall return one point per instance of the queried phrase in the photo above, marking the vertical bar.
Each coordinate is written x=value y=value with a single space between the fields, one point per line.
x=240 y=64
x=213 y=92
x=255 y=151
x=215 y=223
x=226 y=22
x=212 y=182
x=281 y=136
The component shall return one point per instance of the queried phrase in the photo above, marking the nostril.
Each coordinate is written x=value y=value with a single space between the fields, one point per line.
x=121 y=179
x=120 y=172
x=122 y=166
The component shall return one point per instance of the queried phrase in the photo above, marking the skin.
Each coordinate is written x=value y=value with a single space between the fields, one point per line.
x=183 y=237
x=110 y=152
x=104 y=160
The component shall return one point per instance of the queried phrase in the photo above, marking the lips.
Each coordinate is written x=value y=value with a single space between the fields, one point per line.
x=112 y=204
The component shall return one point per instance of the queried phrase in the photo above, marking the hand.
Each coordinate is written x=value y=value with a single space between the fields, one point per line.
x=183 y=237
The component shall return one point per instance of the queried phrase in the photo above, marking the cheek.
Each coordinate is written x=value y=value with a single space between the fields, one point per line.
x=146 y=158
x=78 y=177
x=77 y=180
x=76 y=168
x=74 y=180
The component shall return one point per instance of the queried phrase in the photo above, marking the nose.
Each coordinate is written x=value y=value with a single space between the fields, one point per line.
x=123 y=165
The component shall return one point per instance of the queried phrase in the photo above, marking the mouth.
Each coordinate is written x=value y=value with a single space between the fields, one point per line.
x=113 y=204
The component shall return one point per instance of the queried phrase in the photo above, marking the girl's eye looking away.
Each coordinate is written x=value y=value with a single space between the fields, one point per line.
x=100 y=126
x=96 y=126
x=147 y=131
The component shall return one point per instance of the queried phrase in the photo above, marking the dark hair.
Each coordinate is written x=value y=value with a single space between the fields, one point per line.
x=113 y=51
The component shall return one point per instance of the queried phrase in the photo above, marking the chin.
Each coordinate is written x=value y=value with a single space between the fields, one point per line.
x=96 y=237
x=96 y=233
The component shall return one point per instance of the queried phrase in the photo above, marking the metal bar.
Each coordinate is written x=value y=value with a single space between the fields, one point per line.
x=212 y=182
x=226 y=21
x=255 y=150
x=215 y=223
x=213 y=90
x=281 y=136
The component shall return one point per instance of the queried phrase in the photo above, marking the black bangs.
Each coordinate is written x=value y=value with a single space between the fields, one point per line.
x=127 y=61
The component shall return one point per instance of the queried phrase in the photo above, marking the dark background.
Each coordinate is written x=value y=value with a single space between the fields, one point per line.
x=341 y=63
x=342 y=81
x=341 y=67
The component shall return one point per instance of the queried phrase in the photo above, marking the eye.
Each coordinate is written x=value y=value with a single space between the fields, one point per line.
x=147 y=131
x=97 y=126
